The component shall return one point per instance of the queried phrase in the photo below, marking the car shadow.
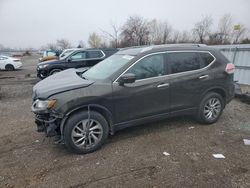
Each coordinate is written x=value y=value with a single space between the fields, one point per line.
x=153 y=127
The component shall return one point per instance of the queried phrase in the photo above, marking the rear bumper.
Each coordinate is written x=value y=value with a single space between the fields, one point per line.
x=231 y=94
x=19 y=66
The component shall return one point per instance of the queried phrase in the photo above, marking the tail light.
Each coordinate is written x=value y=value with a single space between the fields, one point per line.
x=230 y=68
x=16 y=60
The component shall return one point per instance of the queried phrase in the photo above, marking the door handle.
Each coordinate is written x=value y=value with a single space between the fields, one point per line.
x=203 y=77
x=163 y=85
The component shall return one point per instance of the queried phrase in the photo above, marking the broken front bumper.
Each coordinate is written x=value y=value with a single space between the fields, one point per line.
x=48 y=123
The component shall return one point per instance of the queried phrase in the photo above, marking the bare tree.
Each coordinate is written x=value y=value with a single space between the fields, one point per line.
x=225 y=29
x=63 y=44
x=202 y=28
x=1 y=47
x=95 y=40
x=51 y=46
x=81 y=44
x=135 y=31
x=113 y=36
x=175 y=36
x=185 y=37
x=160 y=32
x=240 y=34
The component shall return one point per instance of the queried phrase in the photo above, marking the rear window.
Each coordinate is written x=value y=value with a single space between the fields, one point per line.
x=94 y=54
x=183 y=61
x=207 y=58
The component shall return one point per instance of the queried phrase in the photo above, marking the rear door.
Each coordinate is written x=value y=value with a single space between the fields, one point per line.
x=189 y=78
x=148 y=95
x=93 y=57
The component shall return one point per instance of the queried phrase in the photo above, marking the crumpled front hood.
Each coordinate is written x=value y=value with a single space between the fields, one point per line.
x=60 y=82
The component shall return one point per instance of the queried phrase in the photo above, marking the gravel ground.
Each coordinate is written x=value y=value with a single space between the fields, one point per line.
x=131 y=158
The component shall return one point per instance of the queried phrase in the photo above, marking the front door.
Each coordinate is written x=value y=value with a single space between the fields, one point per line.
x=77 y=60
x=148 y=95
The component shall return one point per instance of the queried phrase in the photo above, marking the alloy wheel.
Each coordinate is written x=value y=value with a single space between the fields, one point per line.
x=87 y=133
x=212 y=108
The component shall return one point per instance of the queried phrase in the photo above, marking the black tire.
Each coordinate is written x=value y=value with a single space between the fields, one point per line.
x=77 y=119
x=204 y=109
x=9 y=67
x=54 y=71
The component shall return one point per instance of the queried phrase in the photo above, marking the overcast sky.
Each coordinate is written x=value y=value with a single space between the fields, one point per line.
x=33 y=23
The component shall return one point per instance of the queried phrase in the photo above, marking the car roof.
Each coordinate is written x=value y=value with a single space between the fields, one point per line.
x=97 y=49
x=138 y=50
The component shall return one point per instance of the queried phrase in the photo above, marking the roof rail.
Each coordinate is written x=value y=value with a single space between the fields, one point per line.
x=181 y=44
x=165 y=45
x=131 y=47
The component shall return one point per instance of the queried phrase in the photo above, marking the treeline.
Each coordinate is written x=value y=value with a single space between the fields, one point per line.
x=138 y=31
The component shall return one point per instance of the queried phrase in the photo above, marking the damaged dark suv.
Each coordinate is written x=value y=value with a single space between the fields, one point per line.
x=132 y=87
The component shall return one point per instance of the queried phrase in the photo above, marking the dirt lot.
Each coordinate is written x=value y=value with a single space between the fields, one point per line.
x=131 y=158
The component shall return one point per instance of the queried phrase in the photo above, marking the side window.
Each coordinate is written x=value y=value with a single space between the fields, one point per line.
x=78 y=56
x=94 y=54
x=183 y=61
x=207 y=58
x=148 y=67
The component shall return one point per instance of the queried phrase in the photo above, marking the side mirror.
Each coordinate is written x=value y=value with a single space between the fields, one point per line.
x=69 y=60
x=127 y=78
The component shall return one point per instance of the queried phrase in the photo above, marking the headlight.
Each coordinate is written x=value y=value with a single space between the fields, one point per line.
x=40 y=105
x=42 y=66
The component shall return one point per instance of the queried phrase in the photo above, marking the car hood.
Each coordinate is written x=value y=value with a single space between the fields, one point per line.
x=49 y=62
x=60 y=82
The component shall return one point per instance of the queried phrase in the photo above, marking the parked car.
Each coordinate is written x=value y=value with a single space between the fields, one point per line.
x=134 y=86
x=78 y=59
x=9 y=63
x=49 y=55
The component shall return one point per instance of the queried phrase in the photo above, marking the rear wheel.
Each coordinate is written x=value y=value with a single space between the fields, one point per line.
x=85 y=134
x=9 y=67
x=210 y=108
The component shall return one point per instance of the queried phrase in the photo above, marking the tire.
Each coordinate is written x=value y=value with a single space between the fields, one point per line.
x=210 y=108
x=79 y=139
x=9 y=67
x=54 y=71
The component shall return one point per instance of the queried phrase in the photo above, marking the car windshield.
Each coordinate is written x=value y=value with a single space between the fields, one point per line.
x=65 y=54
x=48 y=53
x=107 y=67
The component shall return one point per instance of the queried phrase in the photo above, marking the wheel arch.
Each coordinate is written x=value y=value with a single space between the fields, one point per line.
x=91 y=107
x=53 y=69
x=221 y=91
x=9 y=64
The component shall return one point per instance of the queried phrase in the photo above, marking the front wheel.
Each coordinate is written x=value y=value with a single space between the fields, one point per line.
x=85 y=133
x=54 y=71
x=210 y=108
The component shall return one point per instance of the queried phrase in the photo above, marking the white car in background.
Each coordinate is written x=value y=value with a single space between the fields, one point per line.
x=9 y=63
